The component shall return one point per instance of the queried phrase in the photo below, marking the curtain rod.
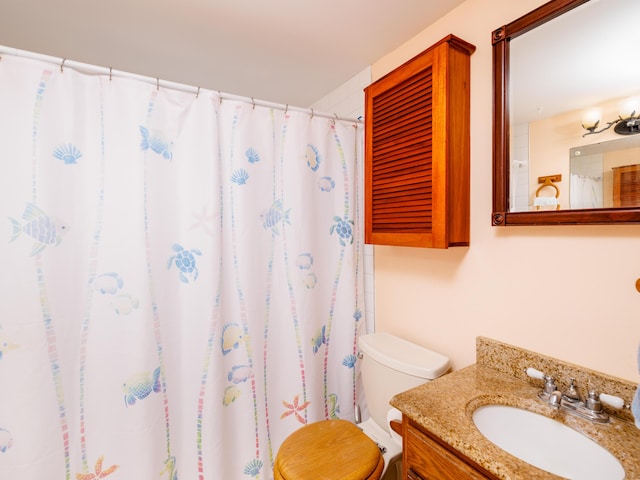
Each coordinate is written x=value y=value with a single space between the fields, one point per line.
x=89 y=69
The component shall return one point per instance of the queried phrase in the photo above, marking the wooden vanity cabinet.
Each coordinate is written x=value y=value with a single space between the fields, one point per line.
x=425 y=458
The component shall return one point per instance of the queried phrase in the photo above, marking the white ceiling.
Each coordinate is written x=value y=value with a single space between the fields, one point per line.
x=284 y=51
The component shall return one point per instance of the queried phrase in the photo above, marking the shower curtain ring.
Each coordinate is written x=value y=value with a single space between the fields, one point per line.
x=286 y=108
x=198 y=92
x=157 y=83
x=253 y=102
x=62 y=65
x=110 y=73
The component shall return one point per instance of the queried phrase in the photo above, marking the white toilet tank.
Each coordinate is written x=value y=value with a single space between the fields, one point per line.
x=391 y=365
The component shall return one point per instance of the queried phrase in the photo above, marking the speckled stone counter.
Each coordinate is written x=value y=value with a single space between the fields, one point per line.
x=444 y=407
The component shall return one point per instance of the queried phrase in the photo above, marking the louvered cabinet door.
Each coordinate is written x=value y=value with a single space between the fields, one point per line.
x=626 y=186
x=417 y=150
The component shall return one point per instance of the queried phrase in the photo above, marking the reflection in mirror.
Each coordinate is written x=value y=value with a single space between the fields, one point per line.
x=543 y=146
x=561 y=84
x=606 y=174
x=563 y=81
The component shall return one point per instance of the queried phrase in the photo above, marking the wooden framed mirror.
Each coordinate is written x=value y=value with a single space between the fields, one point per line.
x=554 y=64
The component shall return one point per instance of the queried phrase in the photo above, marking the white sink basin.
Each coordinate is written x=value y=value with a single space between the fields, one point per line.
x=546 y=443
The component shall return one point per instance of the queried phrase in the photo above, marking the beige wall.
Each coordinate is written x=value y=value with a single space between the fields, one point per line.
x=564 y=291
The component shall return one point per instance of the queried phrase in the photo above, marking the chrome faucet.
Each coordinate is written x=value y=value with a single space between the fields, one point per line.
x=570 y=401
x=572 y=395
x=555 y=399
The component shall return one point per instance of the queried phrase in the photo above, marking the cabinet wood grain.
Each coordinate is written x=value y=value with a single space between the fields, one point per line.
x=425 y=458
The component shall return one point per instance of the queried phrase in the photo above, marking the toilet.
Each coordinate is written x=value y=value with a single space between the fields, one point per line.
x=370 y=450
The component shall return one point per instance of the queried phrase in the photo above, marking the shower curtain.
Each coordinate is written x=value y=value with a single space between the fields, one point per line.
x=181 y=277
x=585 y=191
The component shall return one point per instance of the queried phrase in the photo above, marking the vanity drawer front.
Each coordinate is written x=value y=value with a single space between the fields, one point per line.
x=427 y=460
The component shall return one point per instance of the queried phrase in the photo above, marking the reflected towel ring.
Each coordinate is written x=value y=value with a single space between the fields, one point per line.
x=548 y=182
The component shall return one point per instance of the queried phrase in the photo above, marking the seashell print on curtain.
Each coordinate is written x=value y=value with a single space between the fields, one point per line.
x=182 y=278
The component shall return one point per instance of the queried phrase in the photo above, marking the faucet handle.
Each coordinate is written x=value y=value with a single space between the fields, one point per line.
x=533 y=373
x=549 y=382
x=592 y=402
x=613 y=401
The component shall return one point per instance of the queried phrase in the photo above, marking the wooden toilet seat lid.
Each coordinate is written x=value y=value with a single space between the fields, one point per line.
x=329 y=450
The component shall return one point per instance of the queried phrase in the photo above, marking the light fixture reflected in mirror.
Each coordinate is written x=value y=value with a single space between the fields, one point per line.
x=627 y=123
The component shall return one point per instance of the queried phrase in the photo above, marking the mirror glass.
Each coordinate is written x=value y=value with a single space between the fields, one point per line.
x=562 y=74
x=606 y=174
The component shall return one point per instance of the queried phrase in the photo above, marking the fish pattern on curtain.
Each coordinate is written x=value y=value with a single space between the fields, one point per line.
x=181 y=278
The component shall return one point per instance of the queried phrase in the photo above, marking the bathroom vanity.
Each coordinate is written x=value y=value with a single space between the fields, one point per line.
x=442 y=442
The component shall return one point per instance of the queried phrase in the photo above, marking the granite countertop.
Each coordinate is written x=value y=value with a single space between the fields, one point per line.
x=444 y=407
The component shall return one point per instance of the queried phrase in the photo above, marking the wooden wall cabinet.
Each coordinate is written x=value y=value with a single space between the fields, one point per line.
x=424 y=458
x=417 y=150
x=626 y=186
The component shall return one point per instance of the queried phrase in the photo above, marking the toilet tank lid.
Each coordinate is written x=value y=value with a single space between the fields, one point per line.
x=404 y=356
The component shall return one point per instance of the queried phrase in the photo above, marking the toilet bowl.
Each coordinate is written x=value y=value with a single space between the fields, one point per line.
x=340 y=450
x=390 y=447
